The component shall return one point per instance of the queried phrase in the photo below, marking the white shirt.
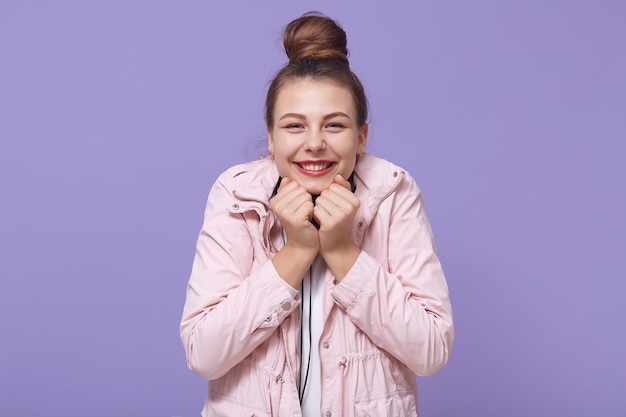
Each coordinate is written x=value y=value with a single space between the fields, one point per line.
x=312 y=400
x=313 y=286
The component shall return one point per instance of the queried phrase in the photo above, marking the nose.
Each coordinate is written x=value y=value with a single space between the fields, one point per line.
x=314 y=141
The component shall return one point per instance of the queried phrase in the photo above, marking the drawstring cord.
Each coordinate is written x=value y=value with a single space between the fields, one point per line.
x=308 y=364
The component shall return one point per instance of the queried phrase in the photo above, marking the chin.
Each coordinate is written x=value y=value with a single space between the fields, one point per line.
x=317 y=189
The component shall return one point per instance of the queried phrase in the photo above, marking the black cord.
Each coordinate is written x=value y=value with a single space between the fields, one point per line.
x=308 y=364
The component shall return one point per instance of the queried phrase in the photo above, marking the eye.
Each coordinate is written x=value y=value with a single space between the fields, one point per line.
x=294 y=126
x=334 y=126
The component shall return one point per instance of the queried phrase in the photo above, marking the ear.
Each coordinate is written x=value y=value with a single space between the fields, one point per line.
x=270 y=142
x=362 y=139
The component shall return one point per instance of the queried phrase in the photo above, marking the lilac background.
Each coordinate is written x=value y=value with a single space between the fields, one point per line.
x=117 y=116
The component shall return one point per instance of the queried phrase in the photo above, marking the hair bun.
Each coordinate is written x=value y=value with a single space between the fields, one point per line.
x=315 y=36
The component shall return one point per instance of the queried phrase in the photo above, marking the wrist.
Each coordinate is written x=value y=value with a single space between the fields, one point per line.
x=341 y=259
x=292 y=262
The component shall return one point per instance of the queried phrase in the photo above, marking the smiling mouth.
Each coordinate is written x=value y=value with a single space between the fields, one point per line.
x=315 y=167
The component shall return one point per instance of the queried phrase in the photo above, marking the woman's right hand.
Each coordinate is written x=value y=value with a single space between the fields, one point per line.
x=293 y=206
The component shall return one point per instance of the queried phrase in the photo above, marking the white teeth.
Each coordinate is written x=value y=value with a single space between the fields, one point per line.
x=314 y=167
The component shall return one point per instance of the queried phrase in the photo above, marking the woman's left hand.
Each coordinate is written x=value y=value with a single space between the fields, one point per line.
x=334 y=210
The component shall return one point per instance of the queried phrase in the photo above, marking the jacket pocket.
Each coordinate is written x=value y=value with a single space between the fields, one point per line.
x=220 y=406
x=243 y=391
x=396 y=404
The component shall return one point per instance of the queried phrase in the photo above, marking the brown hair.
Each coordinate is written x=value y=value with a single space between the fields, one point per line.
x=317 y=48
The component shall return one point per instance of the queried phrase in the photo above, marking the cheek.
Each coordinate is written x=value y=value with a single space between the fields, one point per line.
x=350 y=165
x=286 y=147
x=349 y=149
x=348 y=162
x=283 y=154
x=349 y=156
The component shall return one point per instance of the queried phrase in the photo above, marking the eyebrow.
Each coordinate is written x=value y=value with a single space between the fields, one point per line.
x=302 y=116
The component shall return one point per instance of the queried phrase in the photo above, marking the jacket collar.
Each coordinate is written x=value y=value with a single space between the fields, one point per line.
x=254 y=181
x=378 y=176
x=375 y=179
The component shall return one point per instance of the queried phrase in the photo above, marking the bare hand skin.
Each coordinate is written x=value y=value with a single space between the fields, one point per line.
x=293 y=206
x=334 y=210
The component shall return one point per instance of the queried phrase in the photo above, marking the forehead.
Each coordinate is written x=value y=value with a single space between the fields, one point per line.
x=312 y=95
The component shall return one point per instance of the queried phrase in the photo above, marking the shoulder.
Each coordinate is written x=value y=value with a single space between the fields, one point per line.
x=243 y=186
x=258 y=167
x=377 y=173
x=254 y=177
x=372 y=161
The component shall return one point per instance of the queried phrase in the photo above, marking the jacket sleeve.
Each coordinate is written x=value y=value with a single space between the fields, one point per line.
x=229 y=310
x=406 y=309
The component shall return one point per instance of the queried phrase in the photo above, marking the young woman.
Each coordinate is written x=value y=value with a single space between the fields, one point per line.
x=316 y=288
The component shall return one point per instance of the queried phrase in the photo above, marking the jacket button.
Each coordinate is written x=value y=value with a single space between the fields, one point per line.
x=286 y=306
x=326 y=345
x=269 y=318
x=360 y=225
x=335 y=282
x=395 y=174
x=235 y=206
x=328 y=414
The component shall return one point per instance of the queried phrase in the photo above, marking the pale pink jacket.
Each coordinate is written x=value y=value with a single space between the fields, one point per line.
x=387 y=320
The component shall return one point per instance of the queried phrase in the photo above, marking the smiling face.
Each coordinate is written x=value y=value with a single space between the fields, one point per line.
x=315 y=134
